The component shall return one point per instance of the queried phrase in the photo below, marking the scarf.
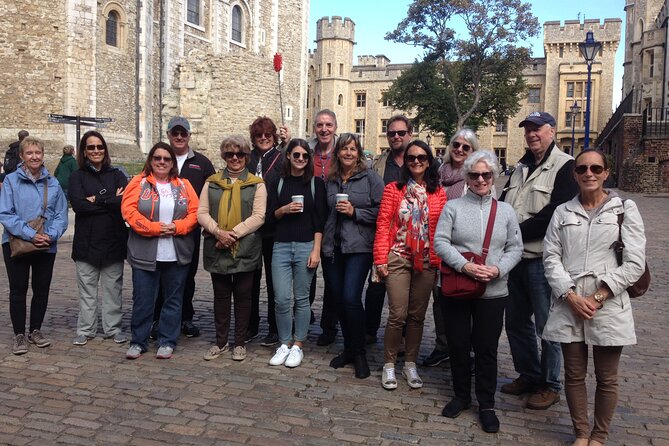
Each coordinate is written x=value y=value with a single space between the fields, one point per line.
x=452 y=180
x=417 y=228
x=230 y=206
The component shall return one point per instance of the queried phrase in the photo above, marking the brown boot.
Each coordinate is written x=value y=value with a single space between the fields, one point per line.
x=518 y=386
x=543 y=399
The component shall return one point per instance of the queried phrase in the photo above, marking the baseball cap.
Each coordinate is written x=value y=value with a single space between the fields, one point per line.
x=538 y=118
x=178 y=121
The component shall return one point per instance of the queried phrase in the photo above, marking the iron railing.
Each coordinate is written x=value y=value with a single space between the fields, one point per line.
x=655 y=122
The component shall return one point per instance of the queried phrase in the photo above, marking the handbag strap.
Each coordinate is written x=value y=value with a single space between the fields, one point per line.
x=488 y=231
x=618 y=246
x=46 y=194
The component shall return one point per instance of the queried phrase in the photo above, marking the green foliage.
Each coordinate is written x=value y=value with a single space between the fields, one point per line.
x=471 y=80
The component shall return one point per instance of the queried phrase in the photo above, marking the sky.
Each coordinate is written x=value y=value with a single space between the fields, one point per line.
x=372 y=22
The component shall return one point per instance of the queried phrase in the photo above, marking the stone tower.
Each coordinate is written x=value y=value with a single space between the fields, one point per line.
x=330 y=69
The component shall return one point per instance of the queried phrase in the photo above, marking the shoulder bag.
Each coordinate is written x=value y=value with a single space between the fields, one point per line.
x=640 y=287
x=458 y=284
x=20 y=247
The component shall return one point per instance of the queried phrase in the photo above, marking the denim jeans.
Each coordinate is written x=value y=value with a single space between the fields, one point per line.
x=345 y=276
x=292 y=280
x=170 y=277
x=530 y=295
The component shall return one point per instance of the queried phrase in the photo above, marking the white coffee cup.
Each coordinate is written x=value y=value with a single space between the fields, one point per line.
x=298 y=199
x=341 y=197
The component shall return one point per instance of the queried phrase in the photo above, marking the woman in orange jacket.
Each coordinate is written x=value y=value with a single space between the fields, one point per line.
x=161 y=209
x=404 y=255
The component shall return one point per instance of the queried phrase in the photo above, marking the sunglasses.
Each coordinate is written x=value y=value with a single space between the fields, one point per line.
x=391 y=133
x=487 y=176
x=465 y=147
x=177 y=133
x=167 y=159
x=595 y=168
x=98 y=147
x=230 y=155
x=414 y=158
x=298 y=155
x=265 y=135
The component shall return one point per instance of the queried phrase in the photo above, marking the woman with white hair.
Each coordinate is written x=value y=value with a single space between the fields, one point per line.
x=451 y=175
x=477 y=322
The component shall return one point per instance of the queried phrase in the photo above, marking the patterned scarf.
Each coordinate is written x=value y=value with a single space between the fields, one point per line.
x=417 y=238
x=452 y=180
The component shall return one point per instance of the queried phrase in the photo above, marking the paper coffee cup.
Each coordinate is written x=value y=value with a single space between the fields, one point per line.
x=298 y=199
x=341 y=197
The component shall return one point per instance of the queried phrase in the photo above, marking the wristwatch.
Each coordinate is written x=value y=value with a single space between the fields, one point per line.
x=599 y=298
x=567 y=293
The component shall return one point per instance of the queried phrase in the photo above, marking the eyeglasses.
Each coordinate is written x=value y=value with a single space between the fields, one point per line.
x=487 y=176
x=167 y=159
x=298 y=155
x=264 y=135
x=230 y=155
x=391 y=133
x=414 y=158
x=98 y=147
x=595 y=168
x=465 y=147
x=177 y=133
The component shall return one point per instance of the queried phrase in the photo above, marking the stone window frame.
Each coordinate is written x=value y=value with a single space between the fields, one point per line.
x=361 y=99
x=534 y=98
x=121 y=26
x=245 y=23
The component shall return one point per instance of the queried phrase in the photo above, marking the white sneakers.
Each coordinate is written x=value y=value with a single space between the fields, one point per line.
x=288 y=356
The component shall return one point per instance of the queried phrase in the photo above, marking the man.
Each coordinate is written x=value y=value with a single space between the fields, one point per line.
x=542 y=181
x=196 y=168
x=66 y=166
x=12 y=155
x=325 y=129
x=388 y=165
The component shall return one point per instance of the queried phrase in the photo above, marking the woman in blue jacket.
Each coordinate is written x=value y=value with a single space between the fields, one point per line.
x=22 y=200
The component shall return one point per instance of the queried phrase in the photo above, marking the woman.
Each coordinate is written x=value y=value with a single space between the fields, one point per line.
x=404 y=255
x=161 y=209
x=232 y=208
x=477 y=322
x=265 y=162
x=296 y=209
x=353 y=196
x=22 y=199
x=451 y=176
x=100 y=238
x=590 y=303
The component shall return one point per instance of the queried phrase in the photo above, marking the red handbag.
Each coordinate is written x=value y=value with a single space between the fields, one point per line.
x=460 y=285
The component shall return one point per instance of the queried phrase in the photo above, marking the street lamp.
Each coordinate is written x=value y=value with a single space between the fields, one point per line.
x=428 y=139
x=574 y=110
x=589 y=49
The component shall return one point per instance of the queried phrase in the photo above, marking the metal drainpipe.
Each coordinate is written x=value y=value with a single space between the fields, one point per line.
x=137 y=64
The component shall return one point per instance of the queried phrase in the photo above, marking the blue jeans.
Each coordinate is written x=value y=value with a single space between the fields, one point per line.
x=171 y=278
x=530 y=295
x=345 y=275
x=292 y=279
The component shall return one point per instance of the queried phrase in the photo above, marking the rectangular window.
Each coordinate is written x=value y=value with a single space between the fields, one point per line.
x=193 y=12
x=651 y=64
x=577 y=119
x=384 y=126
x=360 y=126
x=500 y=152
x=341 y=69
x=500 y=127
x=386 y=103
x=534 y=95
x=329 y=69
x=360 y=99
x=570 y=89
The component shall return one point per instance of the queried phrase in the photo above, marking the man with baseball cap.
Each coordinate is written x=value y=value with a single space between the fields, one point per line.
x=196 y=168
x=543 y=179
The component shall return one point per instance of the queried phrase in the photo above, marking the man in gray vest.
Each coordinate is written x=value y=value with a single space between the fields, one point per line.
x=543 y=179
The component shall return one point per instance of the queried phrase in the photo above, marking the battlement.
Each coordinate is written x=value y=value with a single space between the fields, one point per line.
x=373 y=61
x=335 y=28
x=574 y=31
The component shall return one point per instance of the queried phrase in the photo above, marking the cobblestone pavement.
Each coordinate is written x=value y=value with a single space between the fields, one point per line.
x=92 y=395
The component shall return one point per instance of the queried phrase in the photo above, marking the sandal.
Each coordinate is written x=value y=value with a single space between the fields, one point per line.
x=215 y=351
x=388 y=380
x=411 y=375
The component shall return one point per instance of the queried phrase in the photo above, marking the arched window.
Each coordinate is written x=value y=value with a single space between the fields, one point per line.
x=237 y=21
x=340 y=100
x=111 y=29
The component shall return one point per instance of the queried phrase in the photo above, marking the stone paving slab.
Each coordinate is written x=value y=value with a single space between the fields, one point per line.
x=92 y=395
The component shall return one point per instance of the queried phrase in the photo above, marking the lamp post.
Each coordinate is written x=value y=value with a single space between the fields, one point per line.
x=574 y=110
x=428 y=139
x=589 y=49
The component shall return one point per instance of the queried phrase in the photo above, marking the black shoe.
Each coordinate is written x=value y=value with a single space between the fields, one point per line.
x=190 y=330
x=154 y=331
x=250 y=336
x=436 y=358
x=340 y=361
x=455 y=407
x=370 y=339
x=361 y=366
x=325 y=339
x=489 y=421
x=270 y=340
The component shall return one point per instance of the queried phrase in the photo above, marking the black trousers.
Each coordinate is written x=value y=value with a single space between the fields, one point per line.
x=474 y=323
x=18 y=273
x=374 y=298
x=254 y=323
x=329 y=317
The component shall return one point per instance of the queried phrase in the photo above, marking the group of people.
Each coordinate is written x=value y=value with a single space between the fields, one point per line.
x=293 y=205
